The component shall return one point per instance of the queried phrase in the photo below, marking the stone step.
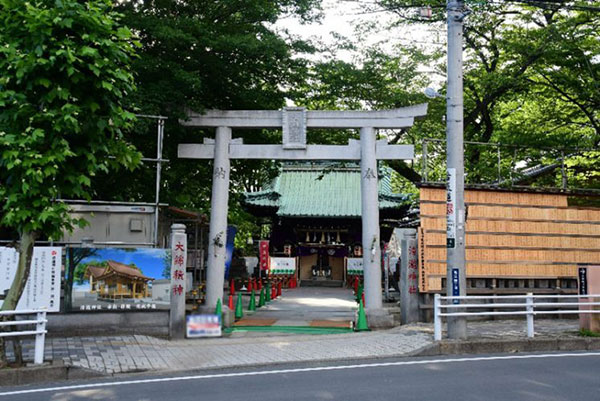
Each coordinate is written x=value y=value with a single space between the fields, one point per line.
x=321 y=283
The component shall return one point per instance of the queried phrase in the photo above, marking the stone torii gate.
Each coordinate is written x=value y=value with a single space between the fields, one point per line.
x=294 y=121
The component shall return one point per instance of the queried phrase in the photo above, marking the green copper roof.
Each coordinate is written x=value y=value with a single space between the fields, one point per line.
x=321 y=190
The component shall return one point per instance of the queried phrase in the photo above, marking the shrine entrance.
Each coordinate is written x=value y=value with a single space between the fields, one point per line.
x=294 y=122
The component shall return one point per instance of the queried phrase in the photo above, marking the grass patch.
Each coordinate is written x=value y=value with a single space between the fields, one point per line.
x=588 y=333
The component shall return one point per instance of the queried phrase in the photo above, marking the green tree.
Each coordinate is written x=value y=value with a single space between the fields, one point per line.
x=530 y=74
x=222 y=54
x=64 y=74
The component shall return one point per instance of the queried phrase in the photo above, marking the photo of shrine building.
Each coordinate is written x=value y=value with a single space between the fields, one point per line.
x=117 y=281
x=315 y=215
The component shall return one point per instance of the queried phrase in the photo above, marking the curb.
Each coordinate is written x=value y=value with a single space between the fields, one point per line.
x=457 y=347
x=45 y=373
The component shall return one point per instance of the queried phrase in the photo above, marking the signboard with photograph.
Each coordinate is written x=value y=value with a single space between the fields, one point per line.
x=203 y=326
x=42 y=289
x=121 y=279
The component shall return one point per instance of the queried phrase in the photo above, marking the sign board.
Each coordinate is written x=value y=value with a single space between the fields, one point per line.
x=588 y=283
x=354 y=266
x=203 y=326
x=283 y=265
x=117 y=279
x=263 y=249
x=583 y=282
x=455 y=285
x=42 y=289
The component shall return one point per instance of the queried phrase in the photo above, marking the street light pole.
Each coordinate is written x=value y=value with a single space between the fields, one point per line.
x=455 y=183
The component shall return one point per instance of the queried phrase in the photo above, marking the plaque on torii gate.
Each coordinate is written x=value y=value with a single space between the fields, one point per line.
x=294 y=121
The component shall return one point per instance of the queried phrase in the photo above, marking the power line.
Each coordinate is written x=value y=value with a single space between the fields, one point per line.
x=552 y=5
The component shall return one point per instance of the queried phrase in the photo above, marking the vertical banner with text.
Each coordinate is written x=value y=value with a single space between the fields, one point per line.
x=451 y=209
x=263 y=250
x=229 y=245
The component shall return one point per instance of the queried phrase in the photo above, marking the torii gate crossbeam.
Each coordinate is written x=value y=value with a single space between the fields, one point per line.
x=294 y=121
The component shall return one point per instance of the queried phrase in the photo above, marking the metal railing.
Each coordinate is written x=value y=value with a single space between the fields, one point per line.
x=39 y=332
x=526 y=308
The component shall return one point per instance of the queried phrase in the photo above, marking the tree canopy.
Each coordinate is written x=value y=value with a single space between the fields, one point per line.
x=206 y=55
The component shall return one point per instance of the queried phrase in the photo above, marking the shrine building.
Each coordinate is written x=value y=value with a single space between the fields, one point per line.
x=315 y=214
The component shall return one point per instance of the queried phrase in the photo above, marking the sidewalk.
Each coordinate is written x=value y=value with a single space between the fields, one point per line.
x=298 y=308
x=122 y=354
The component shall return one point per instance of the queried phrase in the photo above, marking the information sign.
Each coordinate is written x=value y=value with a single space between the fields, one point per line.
x=203 y=326
x=42 y=289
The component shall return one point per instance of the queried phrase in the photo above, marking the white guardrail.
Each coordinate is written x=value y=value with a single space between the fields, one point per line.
x=526 y=308
x=39 y=332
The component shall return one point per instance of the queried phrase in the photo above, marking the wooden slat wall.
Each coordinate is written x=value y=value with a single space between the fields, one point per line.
x=510 y=235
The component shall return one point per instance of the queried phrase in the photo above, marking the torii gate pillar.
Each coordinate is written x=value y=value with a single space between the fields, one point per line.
x=218 y=218
x=294 y=122
x=369 y=196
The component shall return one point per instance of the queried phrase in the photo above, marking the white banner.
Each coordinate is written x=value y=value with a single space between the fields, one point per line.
x=451 y=209
x=42 y=289
x=354 y=266
x=283 y=265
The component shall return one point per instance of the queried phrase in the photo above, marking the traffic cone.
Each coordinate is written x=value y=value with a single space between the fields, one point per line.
x=268 y=293
x=250 y=286
x=355 y=284
x=252 y=305
x=359 y=293
x=261 y=298
x=274 y=292
x=260 y=286
x=230 y=303
x=362 y=298
x=239 y=312
x=279 y=289
x=361 y=321
x=232 y=287
x=219 y=310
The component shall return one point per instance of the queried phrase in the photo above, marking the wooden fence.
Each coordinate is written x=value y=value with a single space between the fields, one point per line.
x=513 y=240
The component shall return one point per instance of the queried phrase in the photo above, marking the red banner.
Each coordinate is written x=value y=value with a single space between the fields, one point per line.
x=263 y=250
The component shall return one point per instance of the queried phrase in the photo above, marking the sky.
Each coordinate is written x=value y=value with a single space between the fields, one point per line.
x=344 y=17
x=349 y=19
x=149 y=260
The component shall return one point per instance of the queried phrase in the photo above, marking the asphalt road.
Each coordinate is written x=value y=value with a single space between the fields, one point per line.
x=544 y=377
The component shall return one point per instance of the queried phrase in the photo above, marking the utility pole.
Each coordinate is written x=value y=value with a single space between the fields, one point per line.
x=455 y=183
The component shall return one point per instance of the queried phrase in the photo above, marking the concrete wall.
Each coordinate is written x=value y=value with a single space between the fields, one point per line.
x=154 y=323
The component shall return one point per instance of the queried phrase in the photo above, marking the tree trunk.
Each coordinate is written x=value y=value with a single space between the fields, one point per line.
x=16 y=289
x=68 y=300
x=18 y=284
